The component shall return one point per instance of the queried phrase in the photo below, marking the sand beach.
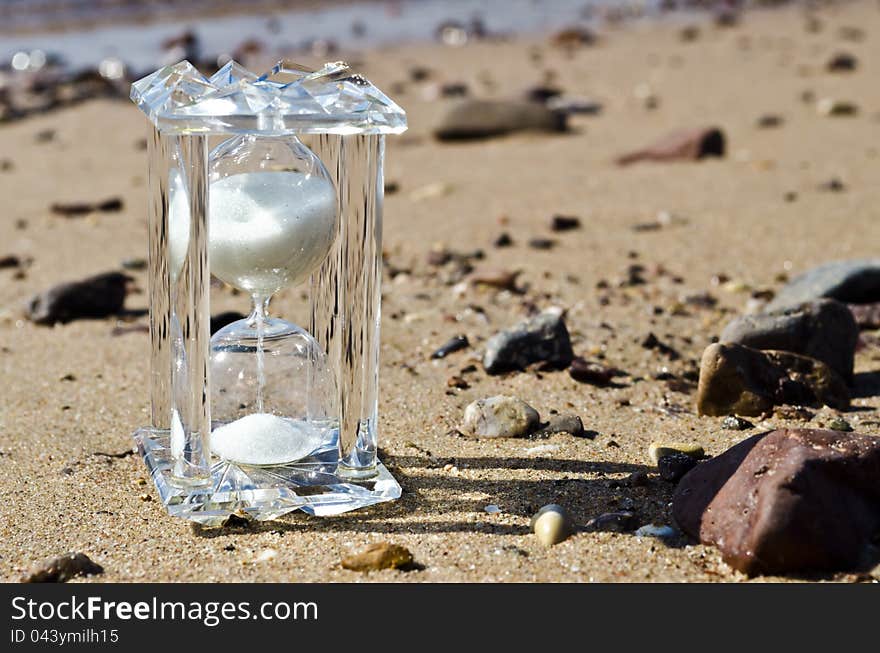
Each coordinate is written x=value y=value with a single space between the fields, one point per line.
x=675 y=249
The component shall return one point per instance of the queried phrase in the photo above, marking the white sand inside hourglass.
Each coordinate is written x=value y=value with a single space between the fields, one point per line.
x=267 y=229
x=270 y=229
x=264 y=439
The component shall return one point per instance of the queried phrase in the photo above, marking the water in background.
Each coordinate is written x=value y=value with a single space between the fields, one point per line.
x=351 y=26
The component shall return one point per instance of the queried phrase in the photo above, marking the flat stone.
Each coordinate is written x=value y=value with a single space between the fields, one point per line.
x=543 y=338
x=623 y=521
x=501 y=416
x=735 y=379
x=584 y=371
x=454 y=344
x=474 y=119
x=690 y=144
x=381 y=555
x=95 y=297
x=823 y=329
x=791 y=500
x=849 y=281
x=62 y=569
x=841 y=62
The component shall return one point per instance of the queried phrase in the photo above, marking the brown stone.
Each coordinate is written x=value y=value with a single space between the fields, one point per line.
x=785 y=501
x=739 y=380
x=682 y=145
x=381 y=555
x=62 y=569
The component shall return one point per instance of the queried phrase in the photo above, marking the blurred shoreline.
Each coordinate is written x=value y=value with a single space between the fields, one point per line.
x=18 y=17
x=77 y=35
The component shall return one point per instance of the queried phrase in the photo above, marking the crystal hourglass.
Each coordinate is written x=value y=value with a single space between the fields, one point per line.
x=272 y=221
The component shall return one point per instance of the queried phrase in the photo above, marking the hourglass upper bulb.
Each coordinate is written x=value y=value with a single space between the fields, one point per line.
x=272 y=214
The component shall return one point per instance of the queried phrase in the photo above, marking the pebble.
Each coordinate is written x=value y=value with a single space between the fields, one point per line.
x=95 y=297
x=430 y=191
x=769 y=121
x=565 y=223
x=492 y=509
x=454 y=344
x=585 y=371
x=614 y=522
x=551 y=524
x=853 y=281
x=476 y=119
x=503 y=240
x=831 y=107
x=542 y=449
x=673 y=466
x=572 y=37
x=501 y=416
x=841 y=62
x=562 y=423
x=9 y=261
x=496 y=278
x=542 y=243
x=734 y=423
x=543 y=338
x=839 y=424
x=652 y=342
x=656 y=450
x=62 y=569
x=739 y=380
x=690 y=144
x=134 y=263
x=637 y=479
x=833 y=185
x=266 y=555
x=823 y=329
x=652 y=530
x=574 y=105
x=77 y=209
x=382 y=555
x=792 y=500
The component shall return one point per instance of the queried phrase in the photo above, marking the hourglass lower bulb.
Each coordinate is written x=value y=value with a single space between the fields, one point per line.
x=272 y=221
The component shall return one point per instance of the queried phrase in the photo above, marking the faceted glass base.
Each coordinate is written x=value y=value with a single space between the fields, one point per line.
x=312 y=485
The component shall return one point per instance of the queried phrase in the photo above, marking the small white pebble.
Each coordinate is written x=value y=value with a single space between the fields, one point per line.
x=652 y=530
x=266 y=555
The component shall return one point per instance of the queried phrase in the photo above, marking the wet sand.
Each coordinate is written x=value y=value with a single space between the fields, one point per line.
x=731 y=218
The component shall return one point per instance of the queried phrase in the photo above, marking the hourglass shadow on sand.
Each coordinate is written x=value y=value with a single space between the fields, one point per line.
x=439 y=493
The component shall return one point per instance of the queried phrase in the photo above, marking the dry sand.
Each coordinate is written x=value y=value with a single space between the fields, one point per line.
x=58 y=494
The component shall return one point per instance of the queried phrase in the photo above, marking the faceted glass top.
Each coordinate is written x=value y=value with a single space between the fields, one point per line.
x=288 y=99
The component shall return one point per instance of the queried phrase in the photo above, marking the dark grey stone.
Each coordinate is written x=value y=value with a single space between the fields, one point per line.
x=540 y=339
x=470 y=119
x=96 y=297
x=823 y=329
x=614 y=522
x=850 y=281
x=674 y=466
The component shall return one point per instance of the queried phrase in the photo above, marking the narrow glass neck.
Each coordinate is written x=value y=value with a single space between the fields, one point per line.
x=260 y=310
